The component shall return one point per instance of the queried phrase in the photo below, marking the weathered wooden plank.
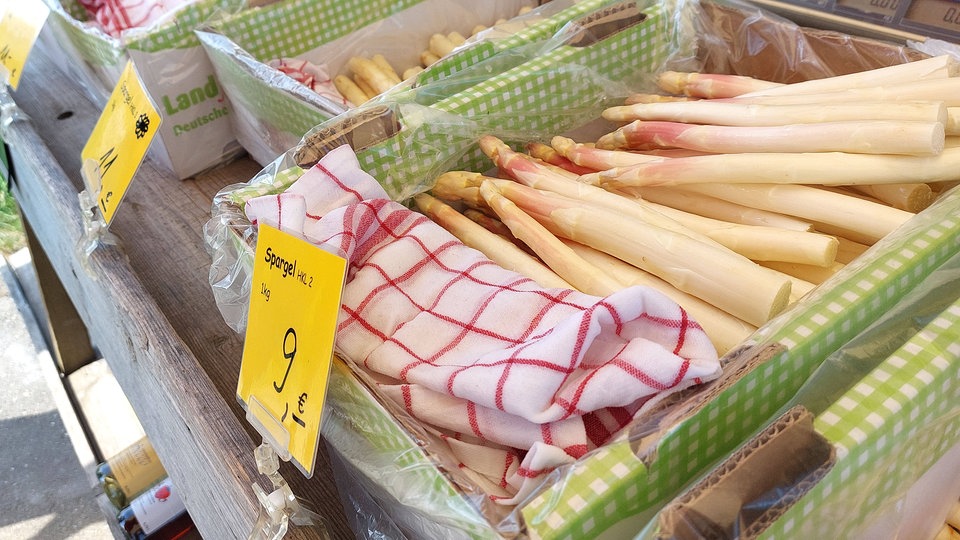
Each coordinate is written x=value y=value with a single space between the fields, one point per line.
x=148 y=306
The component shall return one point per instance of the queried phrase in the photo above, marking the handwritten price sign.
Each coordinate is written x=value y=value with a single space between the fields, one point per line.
x=20 y=24
x=119 y=142
x=291 y=325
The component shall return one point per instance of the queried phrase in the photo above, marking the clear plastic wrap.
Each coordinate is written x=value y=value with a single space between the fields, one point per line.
x=408 y=475
x=917 y=328
x=274 y=110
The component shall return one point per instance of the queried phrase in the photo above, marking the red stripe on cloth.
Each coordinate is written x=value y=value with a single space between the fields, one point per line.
x=573 y=406
x=576 y=451
x=596 y=431
x=545 y=434
x=506 y=469
x=643 y=376
x=407 y=398
x=279 y=213
x=683 y=332
x=472 y=418
x=339 y=183
x=531 y=473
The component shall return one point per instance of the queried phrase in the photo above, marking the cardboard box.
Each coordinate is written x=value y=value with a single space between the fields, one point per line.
x=175 y=71
x=406 y=144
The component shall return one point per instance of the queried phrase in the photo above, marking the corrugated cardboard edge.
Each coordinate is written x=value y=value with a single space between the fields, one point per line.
x=743 y=495
x=648 y=431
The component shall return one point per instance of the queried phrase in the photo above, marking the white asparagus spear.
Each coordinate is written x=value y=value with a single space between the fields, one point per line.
x=711 y=85
x=385 y=67
x=496 y=248
x=371 y=73
x=937 y=67
x=825 y=168
x=724 y=330
x=460 y=186
x=560 y=258
x=734 y=113
x=440 y=45
x=540 y=205
x=947 y=533
x=870 y=219
x=860 y=136
x=761 y=243
x=908 y=197
x=653 y=98
x=952 y=124
x=743 y=289
x=712 y=207
x=848 y=250
x=946 y=90
x=597 y=158
x=533 y=174
x=953 y=516
x=806 y=272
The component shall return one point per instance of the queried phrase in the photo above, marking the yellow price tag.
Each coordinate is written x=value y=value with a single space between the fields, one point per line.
x=119 y=142
x=19 y=27
x=288 y=348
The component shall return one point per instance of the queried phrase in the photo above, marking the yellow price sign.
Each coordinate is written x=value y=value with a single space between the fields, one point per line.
x=288 y=348
x=119 y=142
x=20 y=24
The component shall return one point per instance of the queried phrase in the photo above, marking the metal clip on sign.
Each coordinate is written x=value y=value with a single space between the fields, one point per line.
x=280 y=507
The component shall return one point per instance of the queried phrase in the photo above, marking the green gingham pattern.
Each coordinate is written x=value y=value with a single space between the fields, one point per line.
x=101 y=49
x=264 y=185
x=369 y=437
x=542 y=97
x=94 y=46
x=278 y=110
x=888 y=430
x=288 y=29
x=836 y=312
x=75 y=10
x=486 y=49
x=178 y=33
x=590 y=498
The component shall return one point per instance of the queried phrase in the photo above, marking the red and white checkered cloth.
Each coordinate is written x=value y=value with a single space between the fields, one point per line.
x=311 y=75
x=482 y=354
x=115 y=16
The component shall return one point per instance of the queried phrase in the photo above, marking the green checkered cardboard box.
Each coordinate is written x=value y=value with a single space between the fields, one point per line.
x=454 y=70
x=271 y=113
x=563 y=89
x=274 y=115
x=104 y=52
x=612 y=483
x=189 y=122
x=888 y=430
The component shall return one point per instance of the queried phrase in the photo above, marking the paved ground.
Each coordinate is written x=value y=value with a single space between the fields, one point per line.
x=46 y=492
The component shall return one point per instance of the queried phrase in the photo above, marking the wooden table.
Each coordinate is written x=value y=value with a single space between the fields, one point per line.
x=148 y=306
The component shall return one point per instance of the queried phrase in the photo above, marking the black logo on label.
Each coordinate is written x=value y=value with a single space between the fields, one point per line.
x=142 y=126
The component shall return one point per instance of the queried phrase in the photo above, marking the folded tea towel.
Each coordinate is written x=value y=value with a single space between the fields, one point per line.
x=472 y=348
x=115 y=16
x=311 y=75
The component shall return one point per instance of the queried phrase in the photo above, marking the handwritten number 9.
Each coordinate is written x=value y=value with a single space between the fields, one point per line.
x=289 y=351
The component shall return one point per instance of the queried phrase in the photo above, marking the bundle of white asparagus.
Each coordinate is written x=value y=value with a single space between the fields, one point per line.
x=367 y=77
x=734 y=196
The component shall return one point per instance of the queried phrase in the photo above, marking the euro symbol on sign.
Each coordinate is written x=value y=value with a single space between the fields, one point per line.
x=301 y=401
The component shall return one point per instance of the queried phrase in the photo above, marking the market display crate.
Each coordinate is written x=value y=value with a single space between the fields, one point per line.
x=274 y=111
x=880 y=412
x=404 y=145
x=174 y=69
